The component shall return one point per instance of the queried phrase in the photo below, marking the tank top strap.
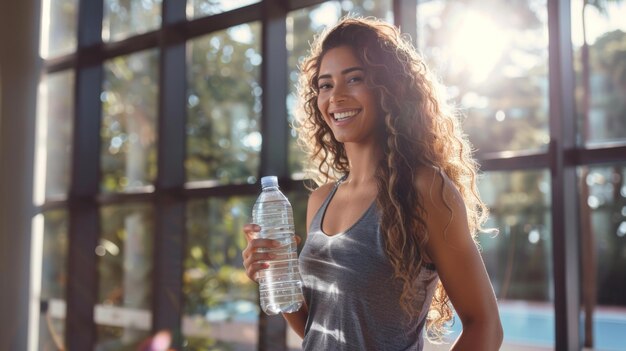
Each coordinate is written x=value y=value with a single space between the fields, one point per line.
x=316 y=222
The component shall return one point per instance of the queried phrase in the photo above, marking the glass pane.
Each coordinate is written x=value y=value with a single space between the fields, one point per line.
x=501 y=83
x=519 y=258
x=58 y=27
x=221 y=308
x=200 y=8
x=302 y=25
x=603 y=224
x=123 y=315
x=53 y=279
x=54 y=135
x=124 y=18
x=381 y=9
x=129 y=104
x=224 y=105
x=600 y=64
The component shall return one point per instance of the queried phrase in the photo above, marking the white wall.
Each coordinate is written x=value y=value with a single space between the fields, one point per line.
x=19 y=72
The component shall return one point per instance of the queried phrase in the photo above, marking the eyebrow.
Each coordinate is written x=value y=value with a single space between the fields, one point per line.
x=344 y=72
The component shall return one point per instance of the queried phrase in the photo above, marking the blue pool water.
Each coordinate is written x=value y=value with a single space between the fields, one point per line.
x=534 y=326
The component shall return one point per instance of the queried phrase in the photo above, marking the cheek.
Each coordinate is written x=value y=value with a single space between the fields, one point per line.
x=322 y=105
x=375 y=104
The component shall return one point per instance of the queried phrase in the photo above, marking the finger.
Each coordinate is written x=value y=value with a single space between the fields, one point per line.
x=256 y=244
x=261 y=256
x=252 y=257
x=251 y=230
x=298 y=240
x=253 y=270
x=257 y=257
x=246 y=254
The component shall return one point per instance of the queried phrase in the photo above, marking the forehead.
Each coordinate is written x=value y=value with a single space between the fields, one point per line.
x=339 y=58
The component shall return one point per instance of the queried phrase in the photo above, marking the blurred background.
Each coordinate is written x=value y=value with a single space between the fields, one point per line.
x=126 y=185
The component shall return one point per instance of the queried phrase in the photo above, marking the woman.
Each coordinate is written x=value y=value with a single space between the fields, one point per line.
x=391 y=228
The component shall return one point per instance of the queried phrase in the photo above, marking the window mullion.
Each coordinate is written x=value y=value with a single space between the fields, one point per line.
x=565 y=230
x=274 y=128
x=170 y=204
x=405 y=17
x=83 y=231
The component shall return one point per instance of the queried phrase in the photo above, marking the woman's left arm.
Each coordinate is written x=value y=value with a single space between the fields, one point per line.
x=459 y=265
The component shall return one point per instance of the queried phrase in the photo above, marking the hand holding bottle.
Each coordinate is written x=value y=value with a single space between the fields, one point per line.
x=254 y=259
x=271 y=256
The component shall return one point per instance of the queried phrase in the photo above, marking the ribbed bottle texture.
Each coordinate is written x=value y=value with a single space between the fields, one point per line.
x=280 y=285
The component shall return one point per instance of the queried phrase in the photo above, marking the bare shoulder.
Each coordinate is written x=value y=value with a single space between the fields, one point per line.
x=445 y=214
x=438 y=191
x=316 y=199
x=318 y=195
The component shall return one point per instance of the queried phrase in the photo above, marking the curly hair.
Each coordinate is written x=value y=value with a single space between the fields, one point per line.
x=421 y=131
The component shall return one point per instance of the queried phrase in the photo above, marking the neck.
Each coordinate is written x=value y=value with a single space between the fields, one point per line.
x=363 y=161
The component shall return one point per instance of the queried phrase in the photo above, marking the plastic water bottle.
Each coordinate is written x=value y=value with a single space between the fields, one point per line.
x=280 y=286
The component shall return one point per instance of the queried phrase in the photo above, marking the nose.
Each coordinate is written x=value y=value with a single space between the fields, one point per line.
x=337 y=98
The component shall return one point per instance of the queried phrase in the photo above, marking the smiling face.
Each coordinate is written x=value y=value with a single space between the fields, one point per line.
x=347 y=104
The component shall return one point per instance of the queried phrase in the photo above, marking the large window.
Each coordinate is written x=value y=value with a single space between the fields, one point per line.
x=156 y=122
x=54 y=135
x=502 y=82
x=58 y=27
x=221 y=308
x=501 y=87
x=600 y=71
x=224 y=105
x=129 y=130
x=603 y=227
x=53 y=225
x=125 y=18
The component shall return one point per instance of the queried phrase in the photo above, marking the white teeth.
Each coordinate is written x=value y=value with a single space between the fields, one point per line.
x=343 y=115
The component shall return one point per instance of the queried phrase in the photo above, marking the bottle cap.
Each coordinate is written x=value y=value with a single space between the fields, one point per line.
x=269 y=181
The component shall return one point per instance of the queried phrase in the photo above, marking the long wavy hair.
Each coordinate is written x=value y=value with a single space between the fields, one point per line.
x=421 y=131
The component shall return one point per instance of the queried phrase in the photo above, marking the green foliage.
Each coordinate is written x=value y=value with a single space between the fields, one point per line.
x=608 y=90
x=213 y=267
x=519 y=257
x=123 y=18
x=128 y=133
x=224 y=106
x=124 y=227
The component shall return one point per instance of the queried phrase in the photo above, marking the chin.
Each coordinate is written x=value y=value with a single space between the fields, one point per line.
x=341 y=138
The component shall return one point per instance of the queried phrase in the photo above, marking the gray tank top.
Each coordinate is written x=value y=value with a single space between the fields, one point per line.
x=349 y=289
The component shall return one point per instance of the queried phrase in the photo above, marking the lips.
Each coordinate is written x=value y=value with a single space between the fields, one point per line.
x=343 y=115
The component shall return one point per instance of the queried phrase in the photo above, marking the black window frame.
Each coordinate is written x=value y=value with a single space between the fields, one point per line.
x=170 y=195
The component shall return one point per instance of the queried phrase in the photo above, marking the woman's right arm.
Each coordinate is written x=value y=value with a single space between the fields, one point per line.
x=253 y=260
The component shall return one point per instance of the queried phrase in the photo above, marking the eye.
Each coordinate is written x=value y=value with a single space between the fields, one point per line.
x=324 y=86
x=355 y=79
